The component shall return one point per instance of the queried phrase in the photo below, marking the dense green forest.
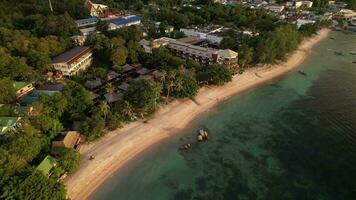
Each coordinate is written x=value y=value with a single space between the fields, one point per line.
x=31 y=35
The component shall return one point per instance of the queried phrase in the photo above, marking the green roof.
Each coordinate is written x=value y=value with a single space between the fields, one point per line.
x=9 y=121
x=19 y=85
x=46 y=165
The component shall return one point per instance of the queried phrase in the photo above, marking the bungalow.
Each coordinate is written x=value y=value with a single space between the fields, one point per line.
x=47 y=164
x=69 y=139
x=22 y=88
x=124 y=21
x=142 y=71
x=92 y=84
x=123 y=86
x=111 y=75
x=111 y=98
x=9 y=123
x=73 y=61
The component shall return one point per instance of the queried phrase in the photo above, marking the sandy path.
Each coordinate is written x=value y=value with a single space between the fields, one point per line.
x=119 y=146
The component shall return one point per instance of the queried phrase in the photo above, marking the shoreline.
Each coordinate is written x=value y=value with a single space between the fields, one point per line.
x=120 y=146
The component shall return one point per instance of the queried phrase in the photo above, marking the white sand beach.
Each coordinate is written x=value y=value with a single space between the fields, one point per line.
x=119 y=146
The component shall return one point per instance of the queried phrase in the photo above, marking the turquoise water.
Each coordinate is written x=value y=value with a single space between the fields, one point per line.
x=293 y=138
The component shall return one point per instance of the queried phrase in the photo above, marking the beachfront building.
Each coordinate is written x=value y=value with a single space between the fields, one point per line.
x=203 y=55
x=22 y=88
x=95 y=9
x=301 y=22
x=69 y=139
x=130 y=20
x=46 y=166
x=73 y=61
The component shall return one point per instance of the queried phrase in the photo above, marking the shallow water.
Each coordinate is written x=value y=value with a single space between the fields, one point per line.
x=293 y=138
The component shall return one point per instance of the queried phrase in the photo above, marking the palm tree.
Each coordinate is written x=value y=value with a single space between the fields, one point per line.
x=50 y=5
x=127 y=110
x=110 y=90
x=170 y=83
x=104 y=108
x=178 y=84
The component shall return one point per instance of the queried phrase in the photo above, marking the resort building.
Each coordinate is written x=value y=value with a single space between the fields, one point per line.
x=73 y=61
x=124 y=21
x=69 y=139
x=22 y=88
x=203 y=55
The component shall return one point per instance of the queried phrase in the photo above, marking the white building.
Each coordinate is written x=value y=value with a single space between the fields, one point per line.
x=276 y=9
x=301 y=22
x=73 y=61
x=206 y=36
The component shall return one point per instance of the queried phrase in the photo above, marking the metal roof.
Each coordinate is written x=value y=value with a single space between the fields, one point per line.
x=83 y=22
x=125 y=20
x=71 y=55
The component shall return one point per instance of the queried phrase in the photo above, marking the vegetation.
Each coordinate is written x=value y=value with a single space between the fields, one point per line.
x=214 y=74
x=143 y=95
x=30 y=36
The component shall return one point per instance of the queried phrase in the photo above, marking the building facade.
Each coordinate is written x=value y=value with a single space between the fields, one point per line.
x=73 y=61
x=203 y=55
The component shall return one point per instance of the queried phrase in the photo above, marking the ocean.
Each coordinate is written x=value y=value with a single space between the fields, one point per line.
x=292 y=138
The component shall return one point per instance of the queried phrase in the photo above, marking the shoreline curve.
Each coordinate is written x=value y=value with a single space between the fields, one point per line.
x=118 y=147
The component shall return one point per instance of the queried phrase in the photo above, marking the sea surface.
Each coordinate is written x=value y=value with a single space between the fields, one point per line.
x=292 y=138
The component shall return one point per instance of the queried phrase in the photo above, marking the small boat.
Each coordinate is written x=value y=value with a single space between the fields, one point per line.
x=354 y=62
x=302 y=72
x=332 y=38
x=353 y=52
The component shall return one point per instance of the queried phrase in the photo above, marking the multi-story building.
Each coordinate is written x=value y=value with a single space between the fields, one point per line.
x=73 y=61
x=203 y=55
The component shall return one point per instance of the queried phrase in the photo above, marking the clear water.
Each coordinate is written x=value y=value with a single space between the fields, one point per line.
x=293 y=138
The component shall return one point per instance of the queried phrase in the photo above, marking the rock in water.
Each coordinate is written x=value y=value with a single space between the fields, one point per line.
x=200 y=138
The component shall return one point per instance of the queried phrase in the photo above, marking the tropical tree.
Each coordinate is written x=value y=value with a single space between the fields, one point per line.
x=169 y=82
x=7 y=91
x=214 y=74
x=143 y=95
x=104 y=108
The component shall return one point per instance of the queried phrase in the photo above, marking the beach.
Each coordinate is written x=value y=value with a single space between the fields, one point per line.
x=118 y=147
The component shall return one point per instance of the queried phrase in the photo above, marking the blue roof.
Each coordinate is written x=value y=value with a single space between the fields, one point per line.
x=86 y=21
x=123 y=21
